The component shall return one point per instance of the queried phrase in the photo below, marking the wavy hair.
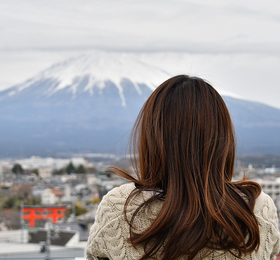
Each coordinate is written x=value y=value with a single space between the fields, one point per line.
x=184 y=151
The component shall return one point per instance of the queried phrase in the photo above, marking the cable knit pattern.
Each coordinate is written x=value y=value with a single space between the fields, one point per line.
x=108 y=235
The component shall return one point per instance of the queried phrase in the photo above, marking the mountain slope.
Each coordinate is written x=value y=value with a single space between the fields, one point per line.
x=89 y=104
x=257 y=126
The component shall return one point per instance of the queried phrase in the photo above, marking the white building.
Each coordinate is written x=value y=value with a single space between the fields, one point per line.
x=67 y=193
x=272 y=188
x=91 y=179
x=271 y=170
x=45 y=172
x=51 y=196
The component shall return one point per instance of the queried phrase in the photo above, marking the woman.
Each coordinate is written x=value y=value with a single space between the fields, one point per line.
x=183 y=204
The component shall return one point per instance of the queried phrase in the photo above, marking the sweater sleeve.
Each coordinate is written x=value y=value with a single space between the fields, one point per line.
x=97 y=241
x=106 y=236
x=274 y=230
x=267 y=217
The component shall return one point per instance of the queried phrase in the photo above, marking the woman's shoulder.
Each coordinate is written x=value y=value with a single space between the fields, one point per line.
x=121 y=191
x=113 y=203
x=111 y=206
x=116 y=198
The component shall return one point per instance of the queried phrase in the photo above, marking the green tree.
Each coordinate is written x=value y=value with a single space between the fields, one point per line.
x=79 y=210
x=11 y=202
x=70 y=168
x=33 y=200
x=92 y=170
x=81 y=169
x=59 y=171
x=17 y=169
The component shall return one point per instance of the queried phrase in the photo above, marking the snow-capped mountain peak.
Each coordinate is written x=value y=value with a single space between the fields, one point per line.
x=94 y=70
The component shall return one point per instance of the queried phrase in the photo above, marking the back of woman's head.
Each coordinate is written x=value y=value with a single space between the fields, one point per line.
x=185 y=125
x=185 y=143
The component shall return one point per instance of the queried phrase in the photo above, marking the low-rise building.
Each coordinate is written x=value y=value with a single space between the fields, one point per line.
x=45 y=172
x=51 y=196
x=272 y=188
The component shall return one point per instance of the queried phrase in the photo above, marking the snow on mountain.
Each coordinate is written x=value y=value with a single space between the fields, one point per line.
x=89 y=73
x=97 y=68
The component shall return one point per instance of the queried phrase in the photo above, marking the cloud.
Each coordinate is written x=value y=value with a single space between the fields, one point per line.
x=193 y=26
x=234 y=43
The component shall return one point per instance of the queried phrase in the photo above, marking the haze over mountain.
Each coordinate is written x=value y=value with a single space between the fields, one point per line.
x=89 y=104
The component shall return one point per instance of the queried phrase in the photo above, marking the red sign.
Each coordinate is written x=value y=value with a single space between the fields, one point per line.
x=32 y=213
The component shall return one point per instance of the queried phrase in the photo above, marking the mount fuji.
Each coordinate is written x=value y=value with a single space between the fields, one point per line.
x=89 y=104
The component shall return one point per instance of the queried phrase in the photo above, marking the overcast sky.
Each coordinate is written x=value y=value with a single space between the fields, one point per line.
x=235 y=44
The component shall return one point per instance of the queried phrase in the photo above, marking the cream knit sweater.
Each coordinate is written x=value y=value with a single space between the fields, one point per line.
x=108 y=235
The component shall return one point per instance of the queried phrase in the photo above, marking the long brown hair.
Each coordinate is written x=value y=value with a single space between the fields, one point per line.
x=184 y=151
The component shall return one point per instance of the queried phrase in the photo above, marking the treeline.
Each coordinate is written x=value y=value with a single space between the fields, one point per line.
x=70 y=168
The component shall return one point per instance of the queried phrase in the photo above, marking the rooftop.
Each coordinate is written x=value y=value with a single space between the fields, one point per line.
x=13 y=250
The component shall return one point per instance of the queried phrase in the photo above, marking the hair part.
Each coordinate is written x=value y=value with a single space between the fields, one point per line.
x=184 y=150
